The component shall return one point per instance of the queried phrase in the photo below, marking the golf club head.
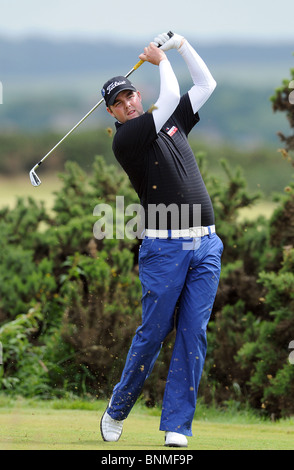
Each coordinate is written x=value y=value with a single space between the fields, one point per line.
x=35 y=180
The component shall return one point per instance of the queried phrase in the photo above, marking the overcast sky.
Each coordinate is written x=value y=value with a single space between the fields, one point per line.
x=207 y=20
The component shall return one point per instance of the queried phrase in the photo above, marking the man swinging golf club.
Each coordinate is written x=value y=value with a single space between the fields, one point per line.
x=179 y=261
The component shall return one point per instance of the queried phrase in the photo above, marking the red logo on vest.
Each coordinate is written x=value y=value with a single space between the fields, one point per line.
x=172 y=131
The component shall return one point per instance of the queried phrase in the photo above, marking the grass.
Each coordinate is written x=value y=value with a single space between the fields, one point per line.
x=74 y=425
x=265 y=208
x=19 y=186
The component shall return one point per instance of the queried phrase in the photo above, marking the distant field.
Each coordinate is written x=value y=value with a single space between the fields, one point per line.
x=20 y=186
x=12 y=188
x=264 y=208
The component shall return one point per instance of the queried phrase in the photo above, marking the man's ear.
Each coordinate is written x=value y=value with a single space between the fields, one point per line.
x=110 y=112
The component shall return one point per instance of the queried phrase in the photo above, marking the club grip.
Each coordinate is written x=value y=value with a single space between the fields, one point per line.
x=170 y=35
x=138 y=64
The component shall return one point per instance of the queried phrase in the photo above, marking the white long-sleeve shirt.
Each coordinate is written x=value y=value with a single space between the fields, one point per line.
x=203 y=85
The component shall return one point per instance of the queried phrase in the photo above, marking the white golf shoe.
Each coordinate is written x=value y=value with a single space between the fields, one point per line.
x=110 y=428
x=174 y=439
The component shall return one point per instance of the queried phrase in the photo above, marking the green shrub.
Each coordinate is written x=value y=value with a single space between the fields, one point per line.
x=70 y=303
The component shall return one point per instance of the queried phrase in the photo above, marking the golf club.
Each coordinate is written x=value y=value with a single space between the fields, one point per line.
x=35 y=180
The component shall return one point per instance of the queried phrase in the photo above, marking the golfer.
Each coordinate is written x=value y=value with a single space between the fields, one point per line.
x=180 y=255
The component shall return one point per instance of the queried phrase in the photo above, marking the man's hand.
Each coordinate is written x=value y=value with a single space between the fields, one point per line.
x=165 y=42
x=153 y=54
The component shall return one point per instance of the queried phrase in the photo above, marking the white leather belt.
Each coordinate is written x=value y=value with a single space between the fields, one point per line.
x=193 y=232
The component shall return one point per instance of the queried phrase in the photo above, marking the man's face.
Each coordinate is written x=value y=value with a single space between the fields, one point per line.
x=127 y=105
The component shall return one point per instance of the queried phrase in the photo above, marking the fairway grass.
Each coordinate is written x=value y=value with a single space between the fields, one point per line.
x=12 y=188
x=38 y=428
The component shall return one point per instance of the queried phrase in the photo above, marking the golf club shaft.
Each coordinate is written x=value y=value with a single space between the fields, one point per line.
x=136 y=66
x=83 y=119
x=69 y=132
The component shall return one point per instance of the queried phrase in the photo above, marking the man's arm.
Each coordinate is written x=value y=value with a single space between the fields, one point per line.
x=169 y=95
x=204 y=83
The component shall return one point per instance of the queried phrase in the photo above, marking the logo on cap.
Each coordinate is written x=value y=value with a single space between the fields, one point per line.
x=114 y=85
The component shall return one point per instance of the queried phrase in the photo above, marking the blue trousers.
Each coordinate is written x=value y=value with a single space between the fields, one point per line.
x=173 y=272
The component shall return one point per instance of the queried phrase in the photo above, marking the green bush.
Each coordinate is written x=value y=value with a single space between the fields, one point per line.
x=252 y=326
x=86 y=291
x=70 y=303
